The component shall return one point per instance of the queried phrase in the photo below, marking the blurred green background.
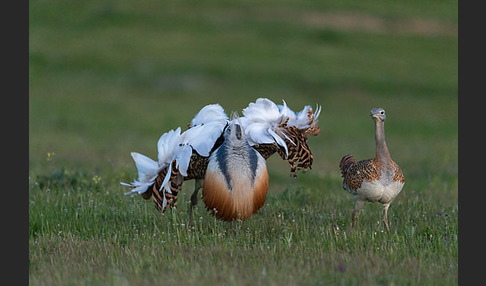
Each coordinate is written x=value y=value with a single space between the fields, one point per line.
x=109 y=77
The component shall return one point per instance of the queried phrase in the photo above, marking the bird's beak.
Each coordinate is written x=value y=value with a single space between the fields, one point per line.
x=238 y=131
x=375 y=116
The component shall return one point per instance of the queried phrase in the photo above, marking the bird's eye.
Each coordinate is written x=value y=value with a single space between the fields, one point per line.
x=382 y=112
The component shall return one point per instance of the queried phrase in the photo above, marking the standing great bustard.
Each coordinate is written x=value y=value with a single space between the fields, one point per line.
x=267 y=127
x=374 y=180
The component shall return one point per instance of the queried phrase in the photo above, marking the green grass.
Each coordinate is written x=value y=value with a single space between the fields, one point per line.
x=109 y=77
x=82 y=231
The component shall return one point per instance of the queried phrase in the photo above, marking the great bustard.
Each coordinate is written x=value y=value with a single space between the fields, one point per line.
x=236 y=181
x=268 y=128
x=374 y=180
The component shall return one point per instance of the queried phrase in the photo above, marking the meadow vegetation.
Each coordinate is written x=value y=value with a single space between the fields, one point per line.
x=110 y=77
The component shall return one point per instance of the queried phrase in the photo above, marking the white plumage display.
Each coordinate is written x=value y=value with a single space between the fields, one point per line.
x=200 y=152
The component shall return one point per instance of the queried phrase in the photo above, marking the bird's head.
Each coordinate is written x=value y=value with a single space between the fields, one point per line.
x=378 y=114
x=234 y=131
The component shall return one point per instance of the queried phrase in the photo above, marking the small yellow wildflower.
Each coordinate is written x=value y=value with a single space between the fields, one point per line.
x=50 y=155
x=96 y=179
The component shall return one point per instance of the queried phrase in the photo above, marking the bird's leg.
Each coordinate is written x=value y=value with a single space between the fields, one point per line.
x=357 y=207
x=197 y=185
x=385 y=218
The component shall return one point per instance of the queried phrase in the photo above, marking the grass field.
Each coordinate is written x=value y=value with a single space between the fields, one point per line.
x=110 y=77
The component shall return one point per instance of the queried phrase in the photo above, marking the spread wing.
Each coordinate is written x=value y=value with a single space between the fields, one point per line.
x=277 y=128
x=174 y=147
x=261 y=121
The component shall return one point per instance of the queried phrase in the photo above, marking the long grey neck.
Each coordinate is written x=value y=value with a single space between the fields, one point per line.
x=381 y=149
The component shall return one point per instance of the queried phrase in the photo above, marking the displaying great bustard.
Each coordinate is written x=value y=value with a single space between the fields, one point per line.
x=236 y=181
x=265 y=126
x=374 y=180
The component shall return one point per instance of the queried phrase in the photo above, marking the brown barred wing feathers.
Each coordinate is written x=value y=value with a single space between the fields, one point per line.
x=345 y=163
x=299 y=154
x=357 y=173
